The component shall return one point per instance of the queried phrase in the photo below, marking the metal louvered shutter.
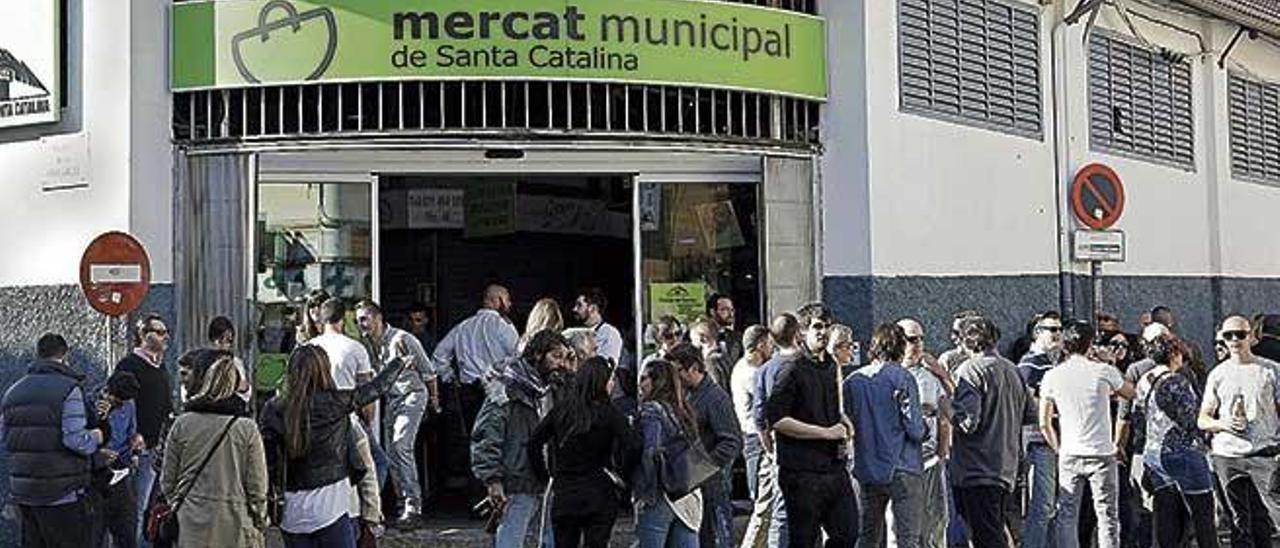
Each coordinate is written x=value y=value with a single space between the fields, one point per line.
x=1139 y=103
x=975 y=62
x=1254 y=112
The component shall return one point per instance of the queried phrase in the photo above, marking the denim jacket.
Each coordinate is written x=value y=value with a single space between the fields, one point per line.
x=661 y=434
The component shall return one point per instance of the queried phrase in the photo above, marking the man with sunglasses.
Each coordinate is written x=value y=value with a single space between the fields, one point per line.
x=1045 y=353
x=956 y=355
x=803 y=411
x=154 y=405
x=1239 y=409
x=935 y=389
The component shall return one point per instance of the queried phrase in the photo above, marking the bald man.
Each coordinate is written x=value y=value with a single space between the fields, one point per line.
x=464 y=360
x=935 y=404
x=1239 y=410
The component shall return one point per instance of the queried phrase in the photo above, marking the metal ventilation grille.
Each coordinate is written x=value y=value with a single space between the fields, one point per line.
x=1140 y=102
x=489 y=107
x=1254 y=110
x=974 y=62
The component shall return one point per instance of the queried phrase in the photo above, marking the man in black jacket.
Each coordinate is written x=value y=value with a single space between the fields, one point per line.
x=52 y=448
x=812 y=436
x=720 y=433
x=154 y=402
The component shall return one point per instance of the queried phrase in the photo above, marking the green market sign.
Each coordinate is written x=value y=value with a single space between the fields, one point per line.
x=237 y=43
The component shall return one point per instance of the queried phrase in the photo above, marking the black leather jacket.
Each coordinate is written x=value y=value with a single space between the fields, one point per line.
x=331 y=453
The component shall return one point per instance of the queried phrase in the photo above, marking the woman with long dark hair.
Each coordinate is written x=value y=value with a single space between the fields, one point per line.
x=585 y=432
x=309 y=325
x=311 y=444
x=669 y=429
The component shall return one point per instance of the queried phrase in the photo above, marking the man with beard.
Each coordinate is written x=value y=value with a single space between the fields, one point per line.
x=463 y=361
x=406 y=402
x=504 y=426
x=722 y=312
x=720 y=434
x=589 y=307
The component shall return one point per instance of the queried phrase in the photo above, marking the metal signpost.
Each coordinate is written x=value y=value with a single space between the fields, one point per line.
x=1097 y=200
x=115 y=275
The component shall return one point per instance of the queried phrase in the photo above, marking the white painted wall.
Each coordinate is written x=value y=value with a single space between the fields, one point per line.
x=910 y=195
x=115 y=132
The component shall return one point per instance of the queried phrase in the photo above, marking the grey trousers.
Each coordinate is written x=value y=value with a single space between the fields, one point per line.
x=406 y=415
x=1102 y=476
x=903 y=495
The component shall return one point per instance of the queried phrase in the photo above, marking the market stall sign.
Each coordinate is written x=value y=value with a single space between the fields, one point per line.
x=238 y=43
x=29 y=63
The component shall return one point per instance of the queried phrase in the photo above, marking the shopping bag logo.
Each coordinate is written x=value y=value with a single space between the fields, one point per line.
x=286 y=48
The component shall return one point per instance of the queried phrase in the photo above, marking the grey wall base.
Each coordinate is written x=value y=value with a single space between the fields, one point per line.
x=1199 y=302
x=35 y=310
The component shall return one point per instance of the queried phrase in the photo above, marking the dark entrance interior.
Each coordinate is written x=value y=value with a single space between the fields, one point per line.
x=443 y=239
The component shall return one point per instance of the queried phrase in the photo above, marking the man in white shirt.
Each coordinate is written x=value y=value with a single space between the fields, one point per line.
x=464 y=360
x=589 y=307
x=1239 y=409
x=349 y=362
x=1079 y=392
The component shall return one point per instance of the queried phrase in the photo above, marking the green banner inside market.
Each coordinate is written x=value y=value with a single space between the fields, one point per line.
x=237 y=43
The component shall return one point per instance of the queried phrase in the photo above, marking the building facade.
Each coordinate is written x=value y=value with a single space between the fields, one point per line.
x=892 y=157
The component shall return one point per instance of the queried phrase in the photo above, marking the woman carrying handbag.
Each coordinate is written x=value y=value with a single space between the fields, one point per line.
x=215 y=470
x=667 y=501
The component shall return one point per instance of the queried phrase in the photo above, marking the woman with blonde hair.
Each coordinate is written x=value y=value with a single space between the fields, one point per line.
x=215 y=469
x=544 y=316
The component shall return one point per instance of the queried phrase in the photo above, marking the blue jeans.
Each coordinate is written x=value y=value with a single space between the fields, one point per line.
x=339 y=534
x=779 y=534
x=751 y=451
x=1037 y=532
x=658 y=527
x=717 y=515
x=143 y=481
x=521 y=509
x=380 y=463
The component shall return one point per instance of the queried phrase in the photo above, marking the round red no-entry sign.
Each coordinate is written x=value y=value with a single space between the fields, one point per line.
x=115 y=273
x=1097 y=196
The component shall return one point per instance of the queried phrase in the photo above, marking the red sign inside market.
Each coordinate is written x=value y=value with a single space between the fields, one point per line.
x=115 y=273
x=1097 y=196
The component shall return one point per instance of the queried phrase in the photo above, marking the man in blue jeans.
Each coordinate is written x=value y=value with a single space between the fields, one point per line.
x=1046 y=351
x=784 y=330
x=883 y=400
x=720 y=434
x=154 y=404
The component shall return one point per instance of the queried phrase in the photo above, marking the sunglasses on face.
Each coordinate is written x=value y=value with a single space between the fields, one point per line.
x=161 y=332
x=915 y=339
x=1235 y=335
x=1050 y=328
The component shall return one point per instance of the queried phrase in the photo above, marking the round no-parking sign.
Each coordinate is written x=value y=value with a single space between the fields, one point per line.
x=1097 y=196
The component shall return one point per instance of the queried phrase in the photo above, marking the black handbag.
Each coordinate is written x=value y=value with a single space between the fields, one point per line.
x=162 y=517
x=684 y=465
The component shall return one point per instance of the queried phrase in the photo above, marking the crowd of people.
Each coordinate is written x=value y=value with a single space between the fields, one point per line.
x=1093 y=436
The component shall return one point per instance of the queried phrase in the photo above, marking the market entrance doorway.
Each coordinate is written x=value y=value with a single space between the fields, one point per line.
x=443 y=239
